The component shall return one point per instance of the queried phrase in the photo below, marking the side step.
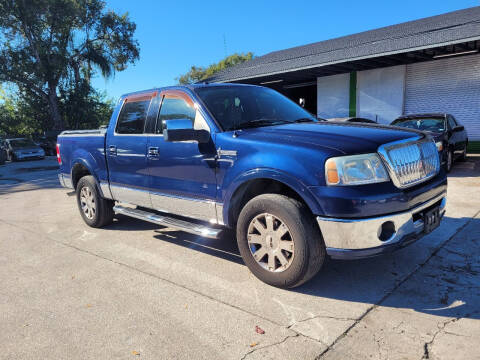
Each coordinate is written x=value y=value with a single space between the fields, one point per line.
x=182 y=225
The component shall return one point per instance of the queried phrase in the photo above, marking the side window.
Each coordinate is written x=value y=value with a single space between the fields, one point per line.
x=132 y=117
x=451 y=122
x=174 y=108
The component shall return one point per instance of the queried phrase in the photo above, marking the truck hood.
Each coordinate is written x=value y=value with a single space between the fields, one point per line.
x=348 y=138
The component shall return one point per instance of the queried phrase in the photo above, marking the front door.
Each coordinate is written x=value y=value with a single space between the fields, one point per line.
x=182 y=174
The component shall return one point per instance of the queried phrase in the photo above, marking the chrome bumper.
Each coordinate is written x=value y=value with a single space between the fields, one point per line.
x=65 y=181
x=357 y=238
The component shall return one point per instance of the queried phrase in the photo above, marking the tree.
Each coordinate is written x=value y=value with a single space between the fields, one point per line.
x=49 y=45
x=197 y=74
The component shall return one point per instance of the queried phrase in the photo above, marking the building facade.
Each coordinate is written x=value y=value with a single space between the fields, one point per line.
x=422 y=66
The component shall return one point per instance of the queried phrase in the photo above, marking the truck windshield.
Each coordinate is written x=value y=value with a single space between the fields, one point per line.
x=239 y=107
x=424 y=124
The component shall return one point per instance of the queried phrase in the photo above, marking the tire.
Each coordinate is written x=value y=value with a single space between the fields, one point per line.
x=463 y=157
x=270 y=213
x=449 y=163
x=95 y=210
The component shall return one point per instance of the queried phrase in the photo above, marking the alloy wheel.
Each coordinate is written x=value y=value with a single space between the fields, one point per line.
x=87 y=201
x=270 y=242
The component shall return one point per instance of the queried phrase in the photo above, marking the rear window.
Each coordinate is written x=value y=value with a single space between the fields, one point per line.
x=132 y=117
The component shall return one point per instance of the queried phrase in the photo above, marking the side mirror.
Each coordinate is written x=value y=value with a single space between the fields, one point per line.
x=458 y=128
x=182 y=130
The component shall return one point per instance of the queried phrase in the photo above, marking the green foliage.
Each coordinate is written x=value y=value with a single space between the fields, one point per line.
x=197 y=74
x=50 y=49
x=81 y=108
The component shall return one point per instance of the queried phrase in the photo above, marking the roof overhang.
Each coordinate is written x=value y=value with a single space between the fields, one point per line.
x=305 y=75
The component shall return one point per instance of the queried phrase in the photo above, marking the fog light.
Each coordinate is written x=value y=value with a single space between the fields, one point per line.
x=386 y=231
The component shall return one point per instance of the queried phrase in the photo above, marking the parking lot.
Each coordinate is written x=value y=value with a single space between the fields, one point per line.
x=133 y=290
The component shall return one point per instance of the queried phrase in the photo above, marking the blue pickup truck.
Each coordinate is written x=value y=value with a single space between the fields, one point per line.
x=209 y=157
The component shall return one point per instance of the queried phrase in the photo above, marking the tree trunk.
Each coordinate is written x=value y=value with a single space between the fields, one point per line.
x=53 y=104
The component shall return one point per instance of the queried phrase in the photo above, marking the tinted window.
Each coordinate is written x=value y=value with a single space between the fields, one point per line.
x=22 y=143
x=236 y=107
x=451 y=122
x=426 y=124
x=174 y=109
x=132 y=117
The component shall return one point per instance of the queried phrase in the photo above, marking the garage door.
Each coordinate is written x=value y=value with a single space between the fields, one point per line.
x=450 y=85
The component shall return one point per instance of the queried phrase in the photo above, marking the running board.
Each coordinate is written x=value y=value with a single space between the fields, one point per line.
x=182 y=225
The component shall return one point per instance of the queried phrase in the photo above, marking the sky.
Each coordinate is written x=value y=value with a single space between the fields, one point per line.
x=174 y=35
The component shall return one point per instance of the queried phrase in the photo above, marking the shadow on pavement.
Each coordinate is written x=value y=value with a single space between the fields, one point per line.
x=448 y=286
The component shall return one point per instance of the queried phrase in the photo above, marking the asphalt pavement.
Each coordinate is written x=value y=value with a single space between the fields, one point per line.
x=136 y=291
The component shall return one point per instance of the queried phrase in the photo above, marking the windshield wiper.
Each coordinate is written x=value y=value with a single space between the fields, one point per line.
x=305 y=119
x=262 y=122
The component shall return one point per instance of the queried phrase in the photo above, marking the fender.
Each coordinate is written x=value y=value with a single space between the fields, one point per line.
x=86 y=159
x=268 y=173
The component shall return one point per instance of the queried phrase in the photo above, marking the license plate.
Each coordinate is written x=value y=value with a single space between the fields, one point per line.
x=431 y=220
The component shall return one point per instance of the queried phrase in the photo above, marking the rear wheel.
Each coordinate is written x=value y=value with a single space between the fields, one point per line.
x=95 y=210
x=279 y=241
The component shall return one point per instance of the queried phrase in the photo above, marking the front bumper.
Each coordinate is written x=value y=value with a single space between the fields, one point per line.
x=359 y=238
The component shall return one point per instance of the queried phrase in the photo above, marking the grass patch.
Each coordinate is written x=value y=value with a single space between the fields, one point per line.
x=473 y=147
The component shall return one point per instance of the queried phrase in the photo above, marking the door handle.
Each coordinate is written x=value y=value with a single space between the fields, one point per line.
x=112 y=150
x=153 y=152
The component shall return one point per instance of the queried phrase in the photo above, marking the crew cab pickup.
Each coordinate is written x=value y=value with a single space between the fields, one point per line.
x=207 y=157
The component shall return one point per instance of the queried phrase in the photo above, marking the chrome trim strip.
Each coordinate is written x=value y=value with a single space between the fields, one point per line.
x=65 y=180
x=132 y=196
x=363 y=233
x=219 y=209
x=105 y=189
x=194 y=208
x=192 y=228
x=221 y=152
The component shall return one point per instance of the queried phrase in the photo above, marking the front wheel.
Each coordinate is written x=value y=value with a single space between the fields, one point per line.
x=279 y=240
x=95 y=210
x=449 y=161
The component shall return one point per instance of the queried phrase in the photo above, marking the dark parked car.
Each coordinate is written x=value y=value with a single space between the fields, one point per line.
x=450 y=136
x=47 y=144
x=22 y=149
x=353 y=120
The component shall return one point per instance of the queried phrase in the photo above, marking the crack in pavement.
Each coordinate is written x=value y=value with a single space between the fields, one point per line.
x=270 y=345
x=397 y=285
x=426 y=351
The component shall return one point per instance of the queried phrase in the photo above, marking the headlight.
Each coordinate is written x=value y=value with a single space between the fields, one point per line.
x=439 y=145
x=355 y=170
x=41 y=152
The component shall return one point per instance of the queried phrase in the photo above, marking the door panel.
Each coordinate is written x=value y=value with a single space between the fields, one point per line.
x=126 y=149
x=182 y=174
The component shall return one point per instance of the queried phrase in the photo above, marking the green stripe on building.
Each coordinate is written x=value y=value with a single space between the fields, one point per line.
x=352 y=106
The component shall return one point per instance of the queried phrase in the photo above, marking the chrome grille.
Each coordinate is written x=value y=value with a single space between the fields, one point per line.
x=410 y=162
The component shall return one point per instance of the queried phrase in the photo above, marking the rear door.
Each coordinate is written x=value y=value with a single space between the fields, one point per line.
x=126 y=149
x=182 y=174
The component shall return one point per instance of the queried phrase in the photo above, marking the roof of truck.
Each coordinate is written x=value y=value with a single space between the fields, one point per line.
x=188 y=86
